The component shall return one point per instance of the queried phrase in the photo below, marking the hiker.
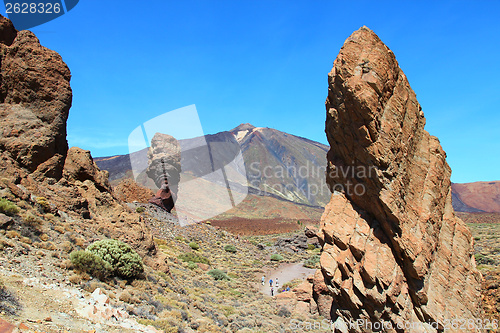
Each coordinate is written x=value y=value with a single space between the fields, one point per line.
x=263 y=279
x=277 y=284
x=163 y=198
x=272 y=291
x=271 y=283
x=287 y=288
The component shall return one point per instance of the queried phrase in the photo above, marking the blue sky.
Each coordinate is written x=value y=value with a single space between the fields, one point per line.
x=265 y=62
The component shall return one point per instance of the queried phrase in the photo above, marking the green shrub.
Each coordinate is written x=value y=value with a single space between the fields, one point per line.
x=194 y=246
x=192 y=265
x=312 y=262
x=311 y=247
x=124 y=260
x=7 y=207
x=180 y=239
x=230 y=248
x=140 y=210
x=193 y=257
x=218 y=275
x=276 y=257
x=90 y=263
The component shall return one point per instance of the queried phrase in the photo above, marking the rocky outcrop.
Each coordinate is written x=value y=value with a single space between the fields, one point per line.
x=129 y=191
x=164 y=160
x=80 y=166
x=393 y=249
x=296 y=243
x=35 y=98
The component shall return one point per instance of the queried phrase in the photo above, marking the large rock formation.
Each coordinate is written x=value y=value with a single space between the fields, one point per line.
x=35 y=98
x=393 y=249
x=164 y=160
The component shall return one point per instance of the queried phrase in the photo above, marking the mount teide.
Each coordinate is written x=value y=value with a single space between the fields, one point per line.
x=290 y=168
x=278 y=164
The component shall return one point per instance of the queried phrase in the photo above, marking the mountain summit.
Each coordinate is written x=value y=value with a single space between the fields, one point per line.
x=242 y=127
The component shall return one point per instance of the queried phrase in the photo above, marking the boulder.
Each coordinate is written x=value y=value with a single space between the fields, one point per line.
x=5 y=221
x=393 y=249
x=80 y=166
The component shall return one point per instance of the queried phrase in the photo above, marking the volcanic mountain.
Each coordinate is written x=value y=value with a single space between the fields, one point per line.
x=288 y=167
x=277 y=164
x=477 y=197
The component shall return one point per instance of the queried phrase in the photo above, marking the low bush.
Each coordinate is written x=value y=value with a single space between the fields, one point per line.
x=284 y=312
x=91 y=263
x=192 y=265
x=230 y=248
x=32 y=220
x=194 y=245
x=140 y=210
x=7 y=207
x=124 y=260
x=218 y=275
x=311 y=247
x=193 y=257
x=42 y=202
x=276 y=257
x=312 y=262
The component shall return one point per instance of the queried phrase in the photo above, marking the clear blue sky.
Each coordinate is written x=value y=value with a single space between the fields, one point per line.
x=265 y=62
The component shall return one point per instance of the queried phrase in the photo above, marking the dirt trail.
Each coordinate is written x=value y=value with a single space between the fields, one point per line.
x=285 y=273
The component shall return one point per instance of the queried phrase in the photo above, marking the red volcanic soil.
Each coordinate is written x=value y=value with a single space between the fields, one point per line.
x=479 y=217
x=252 y=227
x=481 y=195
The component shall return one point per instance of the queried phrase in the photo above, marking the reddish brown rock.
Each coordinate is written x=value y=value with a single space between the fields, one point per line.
x=80 y=166
x=394 y=249
x=7 y=31
x=129 y=191
x=303 y=291
x=6 y=327
x=35 y=98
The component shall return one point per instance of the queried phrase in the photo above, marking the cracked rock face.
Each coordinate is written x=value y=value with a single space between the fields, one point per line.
x=35 y=98
x=393 y=248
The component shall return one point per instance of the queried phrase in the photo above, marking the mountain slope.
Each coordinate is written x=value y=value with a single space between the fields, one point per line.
x=277 y=164
x=284 y=166
x=479 y=196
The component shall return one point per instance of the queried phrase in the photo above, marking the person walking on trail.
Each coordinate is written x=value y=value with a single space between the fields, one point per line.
x=272 y=291
x=263 y=279
x=271 y=283
x=277 y=283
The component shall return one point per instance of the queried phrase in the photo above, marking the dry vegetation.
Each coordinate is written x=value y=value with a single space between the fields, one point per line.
x=250 y=227
x=485 y=228
x=36 y=247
